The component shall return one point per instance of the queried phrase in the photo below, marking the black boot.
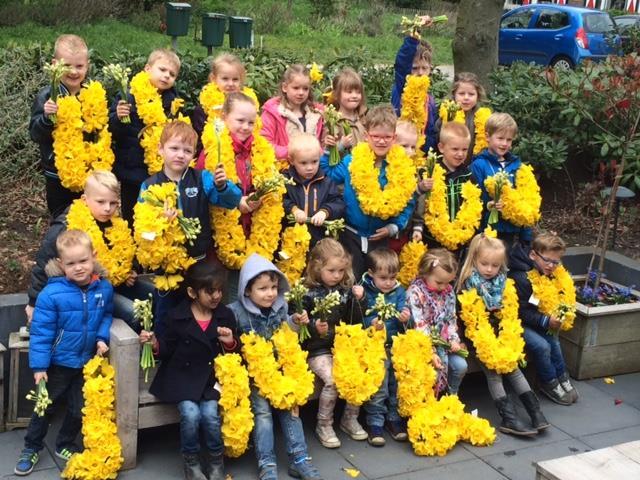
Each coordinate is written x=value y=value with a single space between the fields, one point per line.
x=532 y=405
x=213 y=465
x=510 y=421
x=192 y=470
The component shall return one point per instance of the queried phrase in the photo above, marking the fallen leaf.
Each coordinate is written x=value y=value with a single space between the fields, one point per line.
x=617 y=401
x=352 y=472
x=609 y=381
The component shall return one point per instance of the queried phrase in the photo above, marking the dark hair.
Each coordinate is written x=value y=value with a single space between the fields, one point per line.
x=205 y=276
x=273 y=276
x=383 y=259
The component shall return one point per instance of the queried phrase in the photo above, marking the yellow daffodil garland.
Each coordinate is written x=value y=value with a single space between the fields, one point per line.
x=160 y=241
x=102 y=455
x=410 y=256
x=115 y=249
x=414 y=105
x=501 y=353
x=358 y=362
x=479 y=122
x=554 y=291
x=286 y=382
x=452 y=233
x=235 y=403
x=76 y=157
x=522 y=203
x=293 y=251
x=266 y=221
x=151 y=112
x=449 y=108
x=212 y=98
x=380 y=202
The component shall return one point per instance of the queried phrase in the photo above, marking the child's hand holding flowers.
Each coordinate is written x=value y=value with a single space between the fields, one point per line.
x=101 y=348
x=319 y=218
x=358 y=292
x=220 y=177
x=225 y=335
x=404 y=316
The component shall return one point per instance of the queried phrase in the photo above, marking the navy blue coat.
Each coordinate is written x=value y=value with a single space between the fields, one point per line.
x=519 y=266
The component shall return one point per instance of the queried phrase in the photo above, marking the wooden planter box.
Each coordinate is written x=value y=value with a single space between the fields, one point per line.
x=604 y=341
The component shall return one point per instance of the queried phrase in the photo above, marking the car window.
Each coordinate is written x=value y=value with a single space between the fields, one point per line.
x=625 y=22
x=552 y=19
x=597 y=22
x=517 y=20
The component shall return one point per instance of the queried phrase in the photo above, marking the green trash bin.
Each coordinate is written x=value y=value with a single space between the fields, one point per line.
x=240 y=32
x=213 y=27
x=178 y=15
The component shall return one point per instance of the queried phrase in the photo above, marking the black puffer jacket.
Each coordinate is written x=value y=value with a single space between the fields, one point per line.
x=519 y=265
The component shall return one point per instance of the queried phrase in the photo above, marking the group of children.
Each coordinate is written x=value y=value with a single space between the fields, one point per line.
x=375 y=187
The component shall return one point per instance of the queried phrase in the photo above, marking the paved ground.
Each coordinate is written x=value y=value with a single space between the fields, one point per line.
x=594 y=422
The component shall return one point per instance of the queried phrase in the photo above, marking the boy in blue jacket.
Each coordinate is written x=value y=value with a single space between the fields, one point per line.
x=70 y=324
x=381 y=278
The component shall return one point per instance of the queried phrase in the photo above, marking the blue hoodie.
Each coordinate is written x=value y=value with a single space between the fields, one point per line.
x=248 y=315
x=397 y=296
x=487 y=164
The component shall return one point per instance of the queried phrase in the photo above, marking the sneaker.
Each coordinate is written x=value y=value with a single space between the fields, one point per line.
x=397 y=430
x=26 y=462
x=352 y=427
x=268 y=472
x=304 y=469
x=327 y=436
x=568 y=387
x=555 y=392
x=65 y=454
x=375 y=437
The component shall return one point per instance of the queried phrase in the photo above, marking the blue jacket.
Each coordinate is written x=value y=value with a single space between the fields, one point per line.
x=397 y=296
x=402 y=68
x=365 y=225
x=486 y=164
x=68 y=321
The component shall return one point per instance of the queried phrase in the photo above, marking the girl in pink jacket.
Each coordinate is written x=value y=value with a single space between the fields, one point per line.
x=292 y=111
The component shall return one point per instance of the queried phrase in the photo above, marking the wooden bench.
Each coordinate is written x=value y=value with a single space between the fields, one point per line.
x=620 y=462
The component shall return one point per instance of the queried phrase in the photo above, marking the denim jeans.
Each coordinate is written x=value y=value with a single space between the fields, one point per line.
x=384 y=403
x=63 y=382
x=456 y=368
x=263 y=435
x=123 y=301
x=200 y=420
x=546 y=354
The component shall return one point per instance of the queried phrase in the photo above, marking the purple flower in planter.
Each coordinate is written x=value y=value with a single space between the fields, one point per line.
x=605 y=294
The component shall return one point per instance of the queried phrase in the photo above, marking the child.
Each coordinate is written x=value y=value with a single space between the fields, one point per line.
x=454 y=145
x=313 y=195
x=261 y=307
x=540 y=330
x=468 y=92
x=293 y=111
x=71 y=323
x=407 y=137
x=485 y=270
x=329 y=270
x=433 y=308
x=415 y=58
x=96 y=214
x=198 y=330
x=382 y=409
x=366 y=231
x=347 y=96
x=162 y=66
x=73 y=51
x=501 y=130
x=198 y=189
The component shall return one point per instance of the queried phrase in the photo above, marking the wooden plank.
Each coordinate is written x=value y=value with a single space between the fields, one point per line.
x=630 y=450
x=603 y=464
x=157 y=415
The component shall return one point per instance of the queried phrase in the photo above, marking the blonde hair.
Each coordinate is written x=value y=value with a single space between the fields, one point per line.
x=301 y=142
x=438 y=257
x=324 y=250
x=164 y=54
x=104 y=178
x=498 y=122
x=548 y=242
x=348 y=79
x=181 y=130
x=381 y=116
x=235 y=97
x=228 y=59
x=287 y=77
x=73 y=43
x=408 y=127
x=451 y=130
x=480 y=243
x=468 y=77
x=71 y=238
x=383 y=259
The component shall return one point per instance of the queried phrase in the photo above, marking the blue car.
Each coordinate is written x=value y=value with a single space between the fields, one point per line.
x=555 y=35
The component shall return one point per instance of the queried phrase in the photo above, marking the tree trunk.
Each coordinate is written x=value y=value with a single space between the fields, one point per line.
x=475 y=45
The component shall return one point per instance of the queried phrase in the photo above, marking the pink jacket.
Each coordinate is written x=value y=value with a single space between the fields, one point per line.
x=274 y=124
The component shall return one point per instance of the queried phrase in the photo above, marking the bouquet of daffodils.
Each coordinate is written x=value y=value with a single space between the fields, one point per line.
x=142 y=312
x=120 y=75
x=384 y=310
x=296 y=296
x=56 y=70
x=322 y=307
x=41 y=397
x=502 y=179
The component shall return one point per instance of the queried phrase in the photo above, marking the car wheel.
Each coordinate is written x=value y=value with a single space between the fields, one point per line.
x=562 y=63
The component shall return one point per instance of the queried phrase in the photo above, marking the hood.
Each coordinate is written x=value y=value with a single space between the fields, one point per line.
x=519 y=259
x=53 y=269
x=271 y=105
x=254 y=266
x=493 y=159
x=367 y=282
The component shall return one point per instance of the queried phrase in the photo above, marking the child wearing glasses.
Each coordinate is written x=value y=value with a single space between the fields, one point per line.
x=541 y=330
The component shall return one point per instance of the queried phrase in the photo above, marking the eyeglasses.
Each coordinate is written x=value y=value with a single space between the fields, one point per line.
x=548 y=261
x=381 y=138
